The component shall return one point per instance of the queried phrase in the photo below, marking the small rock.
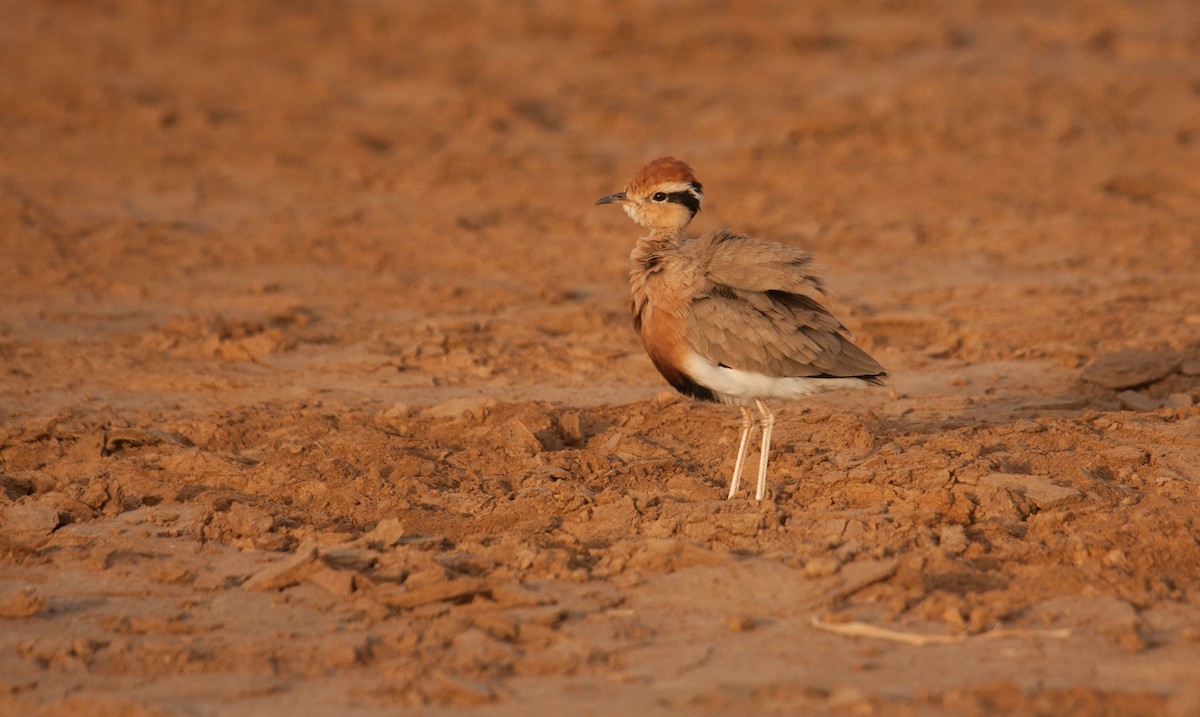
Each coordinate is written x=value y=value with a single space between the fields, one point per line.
x=349 y=558
x=1190 y=367
x=175 y=574
x=121 y=438
x=847 y=697
x=29 y=520
x=955 y=618
x=339 y=583
x=821 y=567
x=346 y=652
x=740 y=623
x=858 y=575
x=386 y=533
x=456 y=690
x=69 y=509
x=248 y=520
x=953 y=539
x=437 y=591
x=743 y=524
x=1135 y=188
x=1025 y=425
x=521 y=441
x=399 y=410
x=1131 y=367
x=15 y=488
x=1129 y=454
x=101 y=492
x=860 y=475
x=21 y=602
x=1112 y=617
x=1137 y=401
x=552 y=472
x=511 y=595
x=1179 y=400
x=544 y=616
x=285 y=573
x=274 y=542
x=1167 y=475
x=474 y=646
x=665 y=398
x=1114 y=557
x=248 y=348
x=1038 y=489
x=498 y=624
x=571 y=427
x=456 y=407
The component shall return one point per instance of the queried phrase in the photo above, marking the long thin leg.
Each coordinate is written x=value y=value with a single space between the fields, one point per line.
x=747 y=426
x=768 y=424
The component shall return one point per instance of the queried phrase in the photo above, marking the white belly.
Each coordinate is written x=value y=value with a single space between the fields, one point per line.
x=742 y=388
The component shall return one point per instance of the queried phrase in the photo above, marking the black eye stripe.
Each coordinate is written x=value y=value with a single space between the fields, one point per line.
x=686 y=198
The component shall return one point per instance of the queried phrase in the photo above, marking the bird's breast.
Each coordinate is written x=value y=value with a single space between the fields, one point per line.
x=660 y=318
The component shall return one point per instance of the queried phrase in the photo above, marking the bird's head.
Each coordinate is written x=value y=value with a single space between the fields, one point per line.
x=663 y=196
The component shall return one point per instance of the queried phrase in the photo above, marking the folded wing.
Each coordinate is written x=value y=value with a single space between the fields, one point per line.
x=761 y=309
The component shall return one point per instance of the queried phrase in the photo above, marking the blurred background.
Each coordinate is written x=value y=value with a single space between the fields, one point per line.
x=464 y=142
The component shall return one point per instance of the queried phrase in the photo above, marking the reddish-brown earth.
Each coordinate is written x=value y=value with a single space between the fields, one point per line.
x=318 y=393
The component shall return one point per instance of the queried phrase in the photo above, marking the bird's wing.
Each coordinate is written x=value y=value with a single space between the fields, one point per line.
x=737 y=261
x=760 y=309
x=775 y=334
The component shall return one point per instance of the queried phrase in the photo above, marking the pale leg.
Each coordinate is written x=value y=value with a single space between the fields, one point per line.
x=747 y=426
x=768 y=423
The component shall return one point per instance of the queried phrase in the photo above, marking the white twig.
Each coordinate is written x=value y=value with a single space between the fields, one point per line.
x=862 y=629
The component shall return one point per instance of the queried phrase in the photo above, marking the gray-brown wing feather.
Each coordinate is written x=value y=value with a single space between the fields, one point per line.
x=740 y=262
x=768 y=336
x=761 y=310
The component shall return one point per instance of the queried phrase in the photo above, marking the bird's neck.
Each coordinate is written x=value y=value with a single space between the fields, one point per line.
x=655 y=243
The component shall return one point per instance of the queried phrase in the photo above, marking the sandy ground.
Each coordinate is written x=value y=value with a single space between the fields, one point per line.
x=319 y=392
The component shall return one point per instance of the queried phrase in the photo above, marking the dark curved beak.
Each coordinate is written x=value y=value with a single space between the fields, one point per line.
x=618 y=197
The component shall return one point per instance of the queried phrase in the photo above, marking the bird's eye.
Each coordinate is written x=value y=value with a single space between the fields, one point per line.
x=659 y=196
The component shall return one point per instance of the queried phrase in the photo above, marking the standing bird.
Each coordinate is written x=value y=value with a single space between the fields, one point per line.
x=727 y=318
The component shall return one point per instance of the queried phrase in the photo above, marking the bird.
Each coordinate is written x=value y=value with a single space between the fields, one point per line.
x=727 y=318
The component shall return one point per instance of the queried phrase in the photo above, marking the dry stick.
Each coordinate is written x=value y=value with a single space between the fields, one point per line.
x=862 y=629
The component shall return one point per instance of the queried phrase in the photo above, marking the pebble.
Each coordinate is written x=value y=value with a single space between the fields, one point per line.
x=285 y=573
x=1131 y=454
x=1179 y=400
x=386 y=533
x=1039 y=489
x=29 y=520
x=821 y=567
x=1137 y=401
x=476 y=406
x=740 y=623
x=21 y=602
x=953 y=539
x=1131 y=367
